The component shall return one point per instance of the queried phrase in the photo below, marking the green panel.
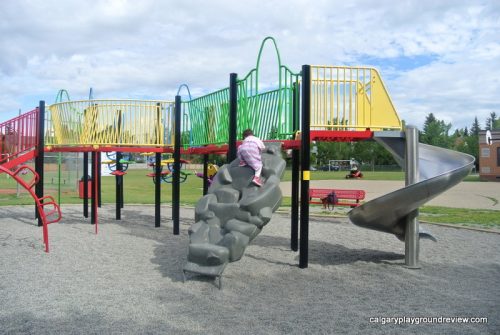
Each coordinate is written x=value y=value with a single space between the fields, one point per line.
x=208 y=117
x=268 y=114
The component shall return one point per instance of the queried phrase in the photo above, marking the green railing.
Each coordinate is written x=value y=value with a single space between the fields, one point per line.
x=208 y=118
x=269 y=114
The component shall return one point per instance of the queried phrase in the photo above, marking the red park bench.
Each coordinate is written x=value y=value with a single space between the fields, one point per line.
x=344 y=197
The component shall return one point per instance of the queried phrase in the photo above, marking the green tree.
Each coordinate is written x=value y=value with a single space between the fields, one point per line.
x=476 y=128
x=332 y=150
x=372 y=153
x=469 y=142
x=435 y=132
x=492 y=122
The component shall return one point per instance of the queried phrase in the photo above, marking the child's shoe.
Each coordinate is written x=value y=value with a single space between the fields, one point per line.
x=257 y=181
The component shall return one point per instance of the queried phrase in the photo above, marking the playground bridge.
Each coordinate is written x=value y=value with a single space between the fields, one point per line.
x=343 y=99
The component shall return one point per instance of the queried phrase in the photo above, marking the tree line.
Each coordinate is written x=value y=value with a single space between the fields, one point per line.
x=434 y=132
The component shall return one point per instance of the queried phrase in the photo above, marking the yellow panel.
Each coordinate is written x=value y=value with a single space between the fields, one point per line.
x=385 y=114
x=111 y=123
x=350 y=98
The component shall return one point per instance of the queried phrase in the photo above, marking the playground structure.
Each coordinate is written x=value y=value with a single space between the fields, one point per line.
x=324 y=103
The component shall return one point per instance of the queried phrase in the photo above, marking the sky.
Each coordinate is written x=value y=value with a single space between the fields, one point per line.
x=439 y=56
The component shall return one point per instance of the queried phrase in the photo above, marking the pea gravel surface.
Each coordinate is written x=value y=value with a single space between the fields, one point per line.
x=127 y=279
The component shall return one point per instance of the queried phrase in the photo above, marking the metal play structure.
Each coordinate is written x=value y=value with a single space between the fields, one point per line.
x=322 y=102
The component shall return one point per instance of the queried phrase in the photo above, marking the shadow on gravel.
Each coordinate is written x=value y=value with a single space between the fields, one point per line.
x=324 y=253
x=22 y=214
x=170 y=254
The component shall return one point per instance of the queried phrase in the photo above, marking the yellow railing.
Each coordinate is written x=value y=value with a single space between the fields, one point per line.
x=350 y=98
x=111 y=122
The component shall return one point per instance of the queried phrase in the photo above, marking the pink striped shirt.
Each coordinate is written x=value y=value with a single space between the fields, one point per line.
x=250 y=152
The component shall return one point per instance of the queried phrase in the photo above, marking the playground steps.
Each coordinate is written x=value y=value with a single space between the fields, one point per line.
x=18 y=144
x=48 y=210
x=233 y=213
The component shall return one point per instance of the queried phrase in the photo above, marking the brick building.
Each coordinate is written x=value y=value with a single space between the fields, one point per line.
x=489 y=156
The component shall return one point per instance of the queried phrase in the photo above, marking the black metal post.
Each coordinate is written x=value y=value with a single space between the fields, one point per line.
x=122 y=192
x=157 y=188
x=294 y=236
x=157 y=177
x=305 y=163
x=294 y=224
x=233 y=115
x=177 y=166
x=93 y=216
x=39 y=160
x=119 y=189
x=85 y=184
x=205 y=174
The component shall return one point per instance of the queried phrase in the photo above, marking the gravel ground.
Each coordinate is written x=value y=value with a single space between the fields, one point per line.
x=128 y=279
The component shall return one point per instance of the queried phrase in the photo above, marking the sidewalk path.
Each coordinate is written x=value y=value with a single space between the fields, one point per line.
x=475 y=195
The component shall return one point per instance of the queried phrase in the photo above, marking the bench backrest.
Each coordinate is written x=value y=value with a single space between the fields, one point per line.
x=341 y=194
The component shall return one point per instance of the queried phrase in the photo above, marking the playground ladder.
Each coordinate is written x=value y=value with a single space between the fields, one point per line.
x=48 y=210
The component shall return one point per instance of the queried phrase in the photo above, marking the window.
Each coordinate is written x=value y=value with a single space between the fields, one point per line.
x=498 y=156
x=485 y=152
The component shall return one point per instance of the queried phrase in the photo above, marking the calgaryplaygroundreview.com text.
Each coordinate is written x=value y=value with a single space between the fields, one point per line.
x=399 y=320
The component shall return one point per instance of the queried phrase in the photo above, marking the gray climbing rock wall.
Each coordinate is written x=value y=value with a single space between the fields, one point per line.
x=233 y=213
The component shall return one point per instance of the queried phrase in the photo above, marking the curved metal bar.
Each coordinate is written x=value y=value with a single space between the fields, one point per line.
x=187 y=88
x=60 y=96
x=268 y=38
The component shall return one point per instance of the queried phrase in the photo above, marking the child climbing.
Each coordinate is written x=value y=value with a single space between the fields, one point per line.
x=249 y=153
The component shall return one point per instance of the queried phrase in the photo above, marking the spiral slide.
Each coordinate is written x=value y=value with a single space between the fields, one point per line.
x=439 y=170
x=233 y=213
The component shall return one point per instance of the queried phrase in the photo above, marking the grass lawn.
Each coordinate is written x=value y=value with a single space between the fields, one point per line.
x=139 y=189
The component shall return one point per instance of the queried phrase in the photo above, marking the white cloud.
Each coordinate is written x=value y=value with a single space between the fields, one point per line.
x=148 y=48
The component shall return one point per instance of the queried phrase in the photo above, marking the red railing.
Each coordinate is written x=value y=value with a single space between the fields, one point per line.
x=18 y=136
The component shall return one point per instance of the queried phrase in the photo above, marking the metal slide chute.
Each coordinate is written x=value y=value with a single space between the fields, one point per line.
x=439 y=169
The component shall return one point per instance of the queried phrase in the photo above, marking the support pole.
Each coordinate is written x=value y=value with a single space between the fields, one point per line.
x=177 y=166
x=39 y=160
x=118 y=186
x=233 y=115
x=294 y=236
x=157 y=177
x=59 y=162
x=294 y=224
x=85 y=184
x=205 y=174
x=93 y=218
x=411 y=177
x=157 y=188
x=305 y=162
